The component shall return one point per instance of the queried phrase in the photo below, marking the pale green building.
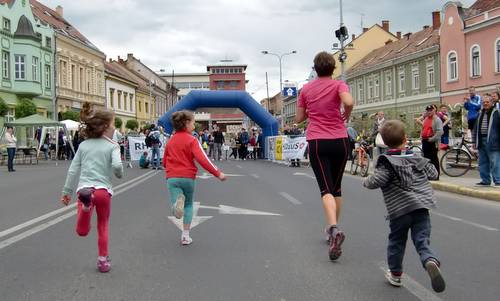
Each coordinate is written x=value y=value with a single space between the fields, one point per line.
x=401 y=79
x=27 y=58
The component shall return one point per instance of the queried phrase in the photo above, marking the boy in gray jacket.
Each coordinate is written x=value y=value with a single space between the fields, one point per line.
x=408 y=195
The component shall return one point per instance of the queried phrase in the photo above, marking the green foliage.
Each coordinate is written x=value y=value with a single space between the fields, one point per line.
x=118 y=122
x=198 y=127
x=132 y=124
x=25 y=108
x=3 y=107
x=71 y=115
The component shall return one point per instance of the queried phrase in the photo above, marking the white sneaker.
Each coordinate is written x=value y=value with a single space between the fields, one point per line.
x=179 y=206
x=186 y=240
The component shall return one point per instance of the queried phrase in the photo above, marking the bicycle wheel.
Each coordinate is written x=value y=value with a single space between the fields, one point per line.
x=417 y=150
x=354 y=164
x=456 y=162
x=363 y=171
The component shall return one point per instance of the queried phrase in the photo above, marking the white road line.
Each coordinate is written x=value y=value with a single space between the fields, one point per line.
x=58 y=211
x=414 y=287
x=290 y=198
x=239 y=166
x=61 y=218
x=255 y=175
x=465 y=221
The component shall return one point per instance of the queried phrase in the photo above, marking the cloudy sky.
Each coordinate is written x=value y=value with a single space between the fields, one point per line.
x=187 y=35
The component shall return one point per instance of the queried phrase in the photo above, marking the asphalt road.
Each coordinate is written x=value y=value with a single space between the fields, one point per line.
x=236 y=254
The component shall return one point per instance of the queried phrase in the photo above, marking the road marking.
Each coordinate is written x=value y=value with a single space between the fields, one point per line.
x=197 y=220
x=304 y=174
x=61 y=218
x=290 y=198
x=208 y=176
x=58 y=211
x=465 y=221
x=239 y=166
x=414 y=287
x=255 y=175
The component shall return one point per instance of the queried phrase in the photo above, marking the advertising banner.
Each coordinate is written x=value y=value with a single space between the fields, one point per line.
x=137 y=146
x=294 y=148
x=279 y=148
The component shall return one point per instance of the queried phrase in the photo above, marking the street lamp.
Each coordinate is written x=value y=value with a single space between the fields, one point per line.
x=280 y=57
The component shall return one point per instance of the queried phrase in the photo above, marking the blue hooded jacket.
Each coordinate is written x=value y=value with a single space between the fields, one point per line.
x=473 y=106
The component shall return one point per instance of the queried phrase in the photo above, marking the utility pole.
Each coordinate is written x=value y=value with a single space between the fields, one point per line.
x=173 y=89
x=267 y=88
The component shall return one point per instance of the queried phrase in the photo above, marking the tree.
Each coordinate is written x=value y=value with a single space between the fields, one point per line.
x=118 y=122
x=25 y=108
x=3 y=107
x=132 y=124
x=71 y=115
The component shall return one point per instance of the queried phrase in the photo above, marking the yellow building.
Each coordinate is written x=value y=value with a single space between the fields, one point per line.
x=80 y=64
x=371 y=39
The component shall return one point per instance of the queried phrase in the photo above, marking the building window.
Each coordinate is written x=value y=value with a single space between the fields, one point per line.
x=5 y=65
x=48 y=76
x=34 y=68
x=452 y=66
x=111 y=98
x=220 y=85
x=146 y=107
x=11 y=115
x=415 y=83
x=234 y=84
x=73 y=77
x=497 y=55
x=430 y=75
x=388 y=84
x=6 y=24
x=361 y=92
x=81 y=78
x=140 y=106
x=88 y=82
x=370 y=88
x=20 y=68
x=131 y=102
x=402 y=80
x=377 y=87
x=119 y=100
x=62 y=73
x=475 y=56
x=48 y=42
x=125 y=94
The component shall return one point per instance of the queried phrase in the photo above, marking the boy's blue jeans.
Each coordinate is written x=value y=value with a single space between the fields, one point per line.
x=185 y=186
x=155 y=152
x=419 y=223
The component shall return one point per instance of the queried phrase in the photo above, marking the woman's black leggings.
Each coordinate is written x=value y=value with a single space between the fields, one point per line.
x=328 y=158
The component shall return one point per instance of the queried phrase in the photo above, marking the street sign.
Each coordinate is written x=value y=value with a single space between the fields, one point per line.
x=289 y=89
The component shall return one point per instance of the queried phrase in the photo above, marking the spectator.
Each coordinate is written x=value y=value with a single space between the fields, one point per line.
x=432 y=130
x=375 y=135
x=244 y=140
x=60 y=145
x=353 y=135
x=218 y=141
x=486 y=138
x=473 y=105
x=295 y=131
x=260 y=144
x=11 y=148
x=154 y=135
x=495 y=98
x=446 y=120
x=144 y=161
x=253 y=144
x=46 y=146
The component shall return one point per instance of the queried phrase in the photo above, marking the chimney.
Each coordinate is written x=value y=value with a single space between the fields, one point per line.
x=130 y=56
x=60 y=11
x=365 y=29
x=110 y=60
x=436 y=20
x=385 y=25
x=353 y=37
x=407 y=35
x=398 y=34
x=426 y=26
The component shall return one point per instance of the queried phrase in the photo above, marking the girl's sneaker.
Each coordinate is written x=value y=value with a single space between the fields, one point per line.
x=179 y=206
x=337 y=237
x=186 y=240
x=394 y=280
x=104 y=265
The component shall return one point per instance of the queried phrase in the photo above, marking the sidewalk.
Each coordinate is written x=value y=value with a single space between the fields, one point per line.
x=460 y=185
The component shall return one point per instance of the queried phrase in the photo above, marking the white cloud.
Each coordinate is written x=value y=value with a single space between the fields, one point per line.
x=187 y=35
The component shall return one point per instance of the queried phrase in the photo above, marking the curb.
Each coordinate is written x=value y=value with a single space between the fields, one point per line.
x=467 y=191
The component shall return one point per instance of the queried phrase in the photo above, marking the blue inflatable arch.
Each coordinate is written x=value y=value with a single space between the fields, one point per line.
x=224 y=99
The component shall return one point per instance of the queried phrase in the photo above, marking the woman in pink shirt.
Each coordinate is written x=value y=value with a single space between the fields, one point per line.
x=320 y=101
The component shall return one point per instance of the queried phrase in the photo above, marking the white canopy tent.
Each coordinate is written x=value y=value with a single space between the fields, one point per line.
x=71 y=125
x=39 y=121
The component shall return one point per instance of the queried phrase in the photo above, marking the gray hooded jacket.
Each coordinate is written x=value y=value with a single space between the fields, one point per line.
x=404 y=180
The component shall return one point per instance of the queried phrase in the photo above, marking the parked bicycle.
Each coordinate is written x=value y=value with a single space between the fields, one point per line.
x=416 y=149
x=361 y=159
x=459 y=159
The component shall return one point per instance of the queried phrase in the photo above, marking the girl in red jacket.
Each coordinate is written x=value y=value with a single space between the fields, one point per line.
x=180 y=153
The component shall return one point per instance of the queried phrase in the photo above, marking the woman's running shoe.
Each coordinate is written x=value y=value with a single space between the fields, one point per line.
x=337 y=237
x=186 y=240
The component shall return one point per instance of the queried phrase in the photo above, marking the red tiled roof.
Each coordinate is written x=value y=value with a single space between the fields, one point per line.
x=112 y=68
x=9 y=2
x=484 y=5
x=137 y=78
x=57 y=22
x=418 y=41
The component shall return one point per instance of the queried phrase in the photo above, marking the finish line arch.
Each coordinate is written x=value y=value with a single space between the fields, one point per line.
x=224 y=99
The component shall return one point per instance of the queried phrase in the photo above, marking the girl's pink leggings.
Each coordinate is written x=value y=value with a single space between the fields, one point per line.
x=102 y=204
